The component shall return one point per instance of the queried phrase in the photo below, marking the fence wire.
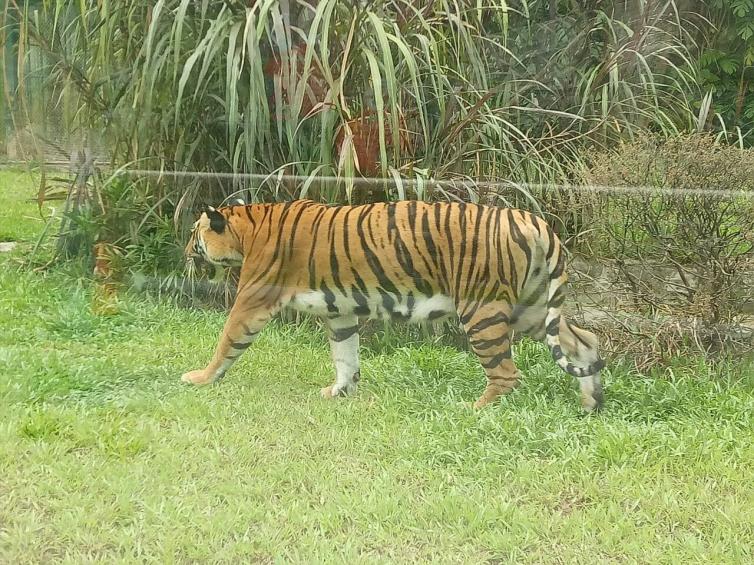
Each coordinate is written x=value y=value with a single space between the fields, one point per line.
x=645 y=300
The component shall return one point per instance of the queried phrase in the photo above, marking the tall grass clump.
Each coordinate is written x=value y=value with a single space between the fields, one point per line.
x=401 y=90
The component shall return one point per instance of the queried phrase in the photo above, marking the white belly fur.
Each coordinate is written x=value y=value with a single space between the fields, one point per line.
x=313 y=301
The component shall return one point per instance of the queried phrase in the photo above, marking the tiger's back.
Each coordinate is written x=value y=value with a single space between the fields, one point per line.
x=498 y=269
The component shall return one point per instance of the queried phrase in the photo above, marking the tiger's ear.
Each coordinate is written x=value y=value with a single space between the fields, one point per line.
x=216 y=220
x=238 y=202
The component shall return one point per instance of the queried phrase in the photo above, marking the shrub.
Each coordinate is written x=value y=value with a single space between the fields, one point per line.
x=682 y=242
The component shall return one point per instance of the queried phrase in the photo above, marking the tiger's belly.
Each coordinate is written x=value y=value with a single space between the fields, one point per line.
x=386 y=306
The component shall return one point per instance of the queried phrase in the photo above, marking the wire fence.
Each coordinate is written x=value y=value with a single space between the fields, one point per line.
x=446 y=185
x=649 y=283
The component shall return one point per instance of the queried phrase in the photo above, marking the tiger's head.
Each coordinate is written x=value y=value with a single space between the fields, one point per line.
x=213 y=241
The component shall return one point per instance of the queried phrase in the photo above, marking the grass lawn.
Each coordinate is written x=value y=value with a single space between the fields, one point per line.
x=105 y=456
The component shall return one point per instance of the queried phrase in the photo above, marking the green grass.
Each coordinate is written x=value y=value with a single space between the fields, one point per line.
x=21 y=220
x=105 y=456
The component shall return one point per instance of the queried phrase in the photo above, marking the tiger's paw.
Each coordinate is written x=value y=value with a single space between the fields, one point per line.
x=490 y=395
x=479 y=404
x=485 y=400
x=198 y=377
x=336 y=390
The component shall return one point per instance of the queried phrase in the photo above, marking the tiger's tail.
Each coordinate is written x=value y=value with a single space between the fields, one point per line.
x=556 y=292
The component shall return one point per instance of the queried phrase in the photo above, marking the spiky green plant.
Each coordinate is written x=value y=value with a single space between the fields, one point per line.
x=446 y=89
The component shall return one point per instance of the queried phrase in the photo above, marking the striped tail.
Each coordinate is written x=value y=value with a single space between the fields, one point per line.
x=555 y=296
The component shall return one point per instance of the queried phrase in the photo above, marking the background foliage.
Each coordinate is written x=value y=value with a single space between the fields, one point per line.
x=727 y=61
x=439 y=89
x=540 y=94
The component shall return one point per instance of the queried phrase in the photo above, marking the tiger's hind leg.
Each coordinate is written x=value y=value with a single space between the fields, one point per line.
x=343 y=333
x=580 y=346
x=487 y=327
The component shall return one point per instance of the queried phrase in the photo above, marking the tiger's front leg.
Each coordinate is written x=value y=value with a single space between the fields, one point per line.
x=343 y=332
x=241 y=328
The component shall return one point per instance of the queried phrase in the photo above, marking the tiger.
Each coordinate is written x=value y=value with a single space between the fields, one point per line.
x=498 y=270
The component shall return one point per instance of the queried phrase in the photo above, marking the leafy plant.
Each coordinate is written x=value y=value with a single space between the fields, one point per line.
x=407 y=91
x=726 y=64
x=683 y=242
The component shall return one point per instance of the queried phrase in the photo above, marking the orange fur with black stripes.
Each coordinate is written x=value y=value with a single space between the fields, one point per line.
x=499 y=270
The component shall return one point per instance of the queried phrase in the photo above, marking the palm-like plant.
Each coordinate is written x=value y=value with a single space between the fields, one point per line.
x=441 y=89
